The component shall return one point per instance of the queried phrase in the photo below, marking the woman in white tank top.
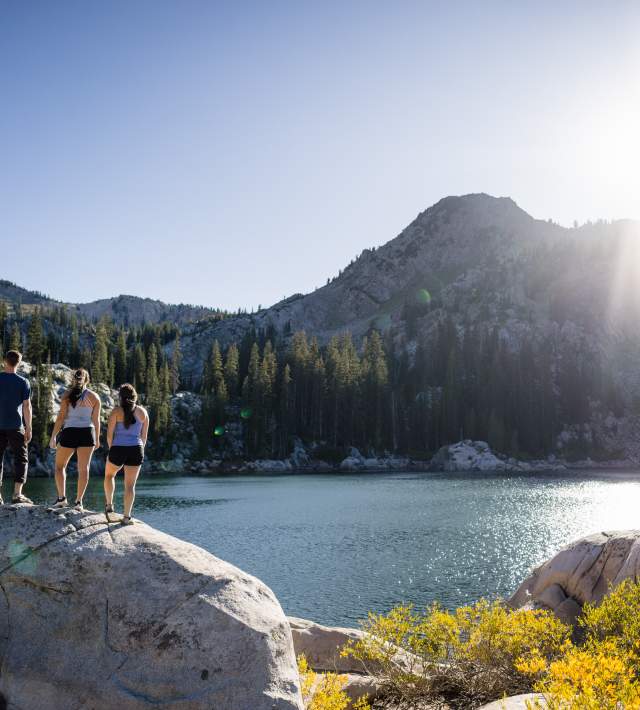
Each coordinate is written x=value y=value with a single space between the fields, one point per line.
x=79 y=425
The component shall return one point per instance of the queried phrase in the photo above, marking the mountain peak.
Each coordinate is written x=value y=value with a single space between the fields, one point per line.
x=476 y=201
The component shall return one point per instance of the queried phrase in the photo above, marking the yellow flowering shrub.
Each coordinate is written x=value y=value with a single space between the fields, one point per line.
x=600 y=677
x=462 y=658
x=324 y=691
x=604 y=673
x=616 y=617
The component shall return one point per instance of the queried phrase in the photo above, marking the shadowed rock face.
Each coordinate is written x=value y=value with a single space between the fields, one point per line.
x=95 y=616
x=581 y=572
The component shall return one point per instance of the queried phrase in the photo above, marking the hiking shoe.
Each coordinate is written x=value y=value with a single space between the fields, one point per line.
x=61 y=503
x=78 y=506
x=21 y=499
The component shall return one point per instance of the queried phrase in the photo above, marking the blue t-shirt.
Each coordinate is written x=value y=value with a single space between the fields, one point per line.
x=14 y=390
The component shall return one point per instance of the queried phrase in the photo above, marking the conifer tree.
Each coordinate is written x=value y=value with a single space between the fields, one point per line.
x=3 y=326
x=152 y=383
x=139 y=369
x=35 y=339
x=120 y=365
x=176 y=360
x=232 y=369
x=74 y=344
x=42 y=408
x=15 y=340
x=100 y=359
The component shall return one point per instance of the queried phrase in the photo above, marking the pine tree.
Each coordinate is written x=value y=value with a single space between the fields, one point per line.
x=100 y=359
x=213 y=370
x=74 y=344
x=139 y=369
x=231 y=369
x=375 y=381
x=15 y=340
x=120 y=367
x=42 y=409
x=152 y=383
x=163 y=409
x=35 y=339
x=3 y=327
x=285 y=411
x=176 y=360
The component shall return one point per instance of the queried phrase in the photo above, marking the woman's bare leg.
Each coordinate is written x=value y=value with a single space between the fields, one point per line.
x=63 y=454
x=84 y=460
x=110 y=481
x=130 y=478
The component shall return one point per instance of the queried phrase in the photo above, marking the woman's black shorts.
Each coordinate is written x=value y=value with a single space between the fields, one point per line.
x=75 y=437
x=126 y=455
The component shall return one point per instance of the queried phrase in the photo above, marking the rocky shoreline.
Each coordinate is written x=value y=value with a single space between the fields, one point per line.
x=462 y=457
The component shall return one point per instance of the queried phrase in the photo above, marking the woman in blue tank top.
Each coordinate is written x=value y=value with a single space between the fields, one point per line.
x=78 y=424
x=126 y=436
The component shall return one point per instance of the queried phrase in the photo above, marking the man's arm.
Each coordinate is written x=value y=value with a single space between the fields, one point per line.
x=27 y=414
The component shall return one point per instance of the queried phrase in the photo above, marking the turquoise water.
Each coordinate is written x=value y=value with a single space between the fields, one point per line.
x=333 y=547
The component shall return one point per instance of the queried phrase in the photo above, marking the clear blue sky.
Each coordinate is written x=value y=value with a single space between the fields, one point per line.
x=233 y=153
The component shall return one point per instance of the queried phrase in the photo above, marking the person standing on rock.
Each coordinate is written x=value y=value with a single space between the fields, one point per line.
x=79 y=423
x=15 y=423
x=126 y=437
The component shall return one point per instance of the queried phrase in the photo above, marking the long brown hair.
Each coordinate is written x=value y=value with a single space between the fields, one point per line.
x=128 y=400
x=79 y=383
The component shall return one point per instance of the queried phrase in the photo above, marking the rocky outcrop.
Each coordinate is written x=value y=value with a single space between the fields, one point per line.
x=470 y=455
x=95 y=616
x=321 y=646
x=355 y=461
x=581 y=572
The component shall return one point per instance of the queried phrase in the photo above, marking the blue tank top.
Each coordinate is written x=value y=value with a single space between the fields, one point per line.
x=130 y=436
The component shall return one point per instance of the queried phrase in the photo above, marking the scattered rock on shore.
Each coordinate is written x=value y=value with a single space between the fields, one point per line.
x=470 y=455
x=581 y=572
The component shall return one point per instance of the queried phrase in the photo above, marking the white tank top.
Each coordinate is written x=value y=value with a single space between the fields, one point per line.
x=79 y=417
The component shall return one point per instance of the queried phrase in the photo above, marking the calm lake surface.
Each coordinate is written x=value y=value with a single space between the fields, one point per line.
x=333 y=547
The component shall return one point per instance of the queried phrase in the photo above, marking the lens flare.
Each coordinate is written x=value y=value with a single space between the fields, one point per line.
x=423 y=296
x=218 y=431
x=246 y=412
x=22 y=556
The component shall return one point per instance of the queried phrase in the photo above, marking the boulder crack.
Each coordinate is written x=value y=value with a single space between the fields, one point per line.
x=32 y=550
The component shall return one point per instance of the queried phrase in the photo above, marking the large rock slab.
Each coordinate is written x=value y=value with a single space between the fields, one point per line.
x=321 y=645
x=581 y=572
x=95 y=616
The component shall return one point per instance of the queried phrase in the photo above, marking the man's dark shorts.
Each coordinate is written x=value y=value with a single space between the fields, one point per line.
x=14 y=439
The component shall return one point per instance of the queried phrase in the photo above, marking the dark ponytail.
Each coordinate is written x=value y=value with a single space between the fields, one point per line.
x=79 y=384
x=128 y=399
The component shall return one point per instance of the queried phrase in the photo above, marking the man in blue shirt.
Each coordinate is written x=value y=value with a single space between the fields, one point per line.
x=15 y=422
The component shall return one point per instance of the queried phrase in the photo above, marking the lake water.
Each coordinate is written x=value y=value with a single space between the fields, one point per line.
x=333 y=547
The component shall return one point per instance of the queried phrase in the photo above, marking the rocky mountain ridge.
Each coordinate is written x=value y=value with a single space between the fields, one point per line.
x=123 y=309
